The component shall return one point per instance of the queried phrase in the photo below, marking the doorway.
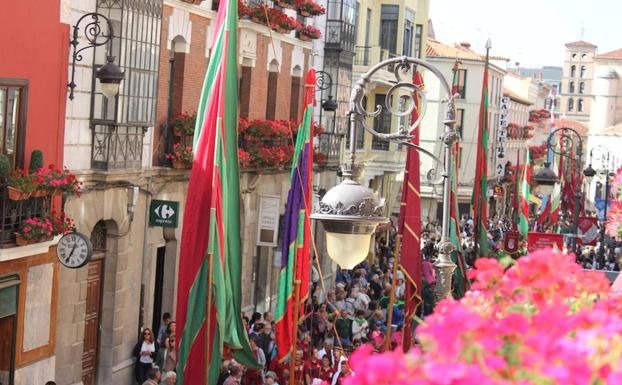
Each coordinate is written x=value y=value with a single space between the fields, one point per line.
x=90 y=352
x=9 y=290
x=158 y=289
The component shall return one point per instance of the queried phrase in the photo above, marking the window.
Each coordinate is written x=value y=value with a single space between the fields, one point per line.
x=459 y=121
x=408 y=39
x=570 y=104
x=459 y=158
x=388 y=27
x=382 y=124
x=583 y=56
x=418 y=39
x=581 y=88
x=582 y=72
x=573 y=71
x=273 y=79
x=13 y=102
x=462 y=75
x=9 y=302
x=574 y=56
x=407 y=48
x=571 y=88
x=580 y=105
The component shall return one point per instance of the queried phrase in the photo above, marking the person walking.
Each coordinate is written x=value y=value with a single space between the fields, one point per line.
x=145 y=352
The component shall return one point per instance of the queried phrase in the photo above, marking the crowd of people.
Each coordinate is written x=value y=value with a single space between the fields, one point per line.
x=156 y=355
x=352 y=313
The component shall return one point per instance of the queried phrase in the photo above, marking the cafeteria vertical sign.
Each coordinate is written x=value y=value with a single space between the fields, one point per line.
x=268 y=221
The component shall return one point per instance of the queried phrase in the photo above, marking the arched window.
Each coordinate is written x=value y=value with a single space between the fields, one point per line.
x=571 y=88
x=583 y=56
x=580 y=105
x=573 y=71
x=574 y=56
x=570 y=104
x=582 y=72
x=582 y=88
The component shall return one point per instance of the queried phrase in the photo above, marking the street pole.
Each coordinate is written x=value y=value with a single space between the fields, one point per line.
x=604 y=222
x=578 y=195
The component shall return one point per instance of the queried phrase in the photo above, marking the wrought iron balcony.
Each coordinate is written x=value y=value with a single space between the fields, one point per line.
x=13 y=213
x=366 y=55
x=116 y=147
x=330 y=147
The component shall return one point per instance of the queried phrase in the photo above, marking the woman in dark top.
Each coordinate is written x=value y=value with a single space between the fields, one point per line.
x=145 y=352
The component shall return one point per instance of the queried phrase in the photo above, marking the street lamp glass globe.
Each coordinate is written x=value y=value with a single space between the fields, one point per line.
x=546 y=189
x=347 y=250
x=110 y=90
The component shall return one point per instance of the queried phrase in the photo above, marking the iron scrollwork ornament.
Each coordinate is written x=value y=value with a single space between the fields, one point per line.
x=94 y=35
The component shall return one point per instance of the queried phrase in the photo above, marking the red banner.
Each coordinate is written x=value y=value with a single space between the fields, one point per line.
x=511 y=242
x=588 y=231
x=536 y=241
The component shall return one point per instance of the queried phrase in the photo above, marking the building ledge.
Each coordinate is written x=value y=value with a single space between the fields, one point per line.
x=18 y=252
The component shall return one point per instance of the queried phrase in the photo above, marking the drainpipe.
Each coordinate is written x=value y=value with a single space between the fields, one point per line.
x=146 y=255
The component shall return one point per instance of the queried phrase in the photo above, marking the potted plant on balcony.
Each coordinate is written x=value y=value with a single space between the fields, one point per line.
x=284 y=23
x=289 y=4
x=258 y=14
x=183 y=124
x=181 y=157
x=53 y=180
x=21 y=185
x=309 y=8
x=41 y=229
x=243 y=10
x=308 y=33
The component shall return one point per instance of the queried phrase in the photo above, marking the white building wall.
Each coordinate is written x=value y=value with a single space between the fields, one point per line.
x=432 y=126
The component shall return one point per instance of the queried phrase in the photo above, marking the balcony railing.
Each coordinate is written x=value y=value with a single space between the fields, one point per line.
x=330 y=146
x=117 y=147
x=13 y=213
x=368 y=56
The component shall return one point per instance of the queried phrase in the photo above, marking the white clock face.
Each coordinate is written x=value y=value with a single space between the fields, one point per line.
x=74 y=250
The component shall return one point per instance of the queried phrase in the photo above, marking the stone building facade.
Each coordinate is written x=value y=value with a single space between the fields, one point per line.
x=117 y=148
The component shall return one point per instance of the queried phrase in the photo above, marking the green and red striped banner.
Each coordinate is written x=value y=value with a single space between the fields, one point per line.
x=296 y=245
x=523 y=214
x=461 y=283
x=480 y=186
x=209 y=281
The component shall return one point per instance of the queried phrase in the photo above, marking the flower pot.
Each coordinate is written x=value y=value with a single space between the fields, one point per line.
x=39 y=193
x=21 y=241
x=178 y=132
x=258 y=20
x=286 y=5
x=304 y=37
x=177 y=164
x=279 y=29
x=16 y=194
x=304 y=13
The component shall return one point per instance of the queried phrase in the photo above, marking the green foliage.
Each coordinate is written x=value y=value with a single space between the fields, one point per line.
x=5 y=166
x=36 y=160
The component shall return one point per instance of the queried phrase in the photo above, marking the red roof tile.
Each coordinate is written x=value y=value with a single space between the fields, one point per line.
x=580 y=43
x=617 y=54
x=569 y=123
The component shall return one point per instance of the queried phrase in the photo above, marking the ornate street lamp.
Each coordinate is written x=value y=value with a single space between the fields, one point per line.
x=350 y=212
x=323 y=82
x=109 y=75
x=547 y=178
x=589 y=173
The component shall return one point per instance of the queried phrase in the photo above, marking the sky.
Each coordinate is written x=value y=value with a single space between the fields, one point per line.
x=531 y=32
